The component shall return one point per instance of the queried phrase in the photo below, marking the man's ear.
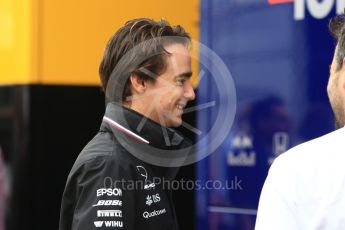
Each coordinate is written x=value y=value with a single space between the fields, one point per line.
x=138 y=84
x=343 y=66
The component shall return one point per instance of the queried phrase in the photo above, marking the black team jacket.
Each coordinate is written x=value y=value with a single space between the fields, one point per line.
x=110 y=188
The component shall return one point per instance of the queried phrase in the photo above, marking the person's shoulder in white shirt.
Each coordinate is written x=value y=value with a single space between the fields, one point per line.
x=305 y=187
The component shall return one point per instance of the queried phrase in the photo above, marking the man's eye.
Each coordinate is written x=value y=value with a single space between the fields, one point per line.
x=181 y=81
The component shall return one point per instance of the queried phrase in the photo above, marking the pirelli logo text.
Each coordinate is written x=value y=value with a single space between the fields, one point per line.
x=108 y=203
x=109 y=213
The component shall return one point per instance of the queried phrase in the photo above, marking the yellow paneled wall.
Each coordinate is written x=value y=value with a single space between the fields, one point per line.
x=16 y=42
x=62 y=41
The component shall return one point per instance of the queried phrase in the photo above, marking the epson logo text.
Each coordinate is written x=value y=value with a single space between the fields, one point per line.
x=109 y=192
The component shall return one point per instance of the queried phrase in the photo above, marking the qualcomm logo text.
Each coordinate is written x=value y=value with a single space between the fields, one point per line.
x=147 y=215
x=318 y=9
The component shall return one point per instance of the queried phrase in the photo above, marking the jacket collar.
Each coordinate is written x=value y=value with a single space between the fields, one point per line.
x=141 y=128
x=140 y=135
x=147 y=144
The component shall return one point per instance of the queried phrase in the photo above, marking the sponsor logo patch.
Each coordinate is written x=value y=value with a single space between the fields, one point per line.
x=150 y=199
x=154 y=213
x=109 y=213
x=99 y=224
x=108 y=203
x=109 y=192
x=142 y=171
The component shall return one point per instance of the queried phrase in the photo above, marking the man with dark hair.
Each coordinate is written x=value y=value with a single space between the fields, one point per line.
x=114 y=183
x=305 y=186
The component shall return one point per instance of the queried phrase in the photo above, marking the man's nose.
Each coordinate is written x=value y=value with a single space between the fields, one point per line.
x=189 y=92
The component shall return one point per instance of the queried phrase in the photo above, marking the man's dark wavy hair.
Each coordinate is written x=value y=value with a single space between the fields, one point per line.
x=147 y=36
x=337 y=29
